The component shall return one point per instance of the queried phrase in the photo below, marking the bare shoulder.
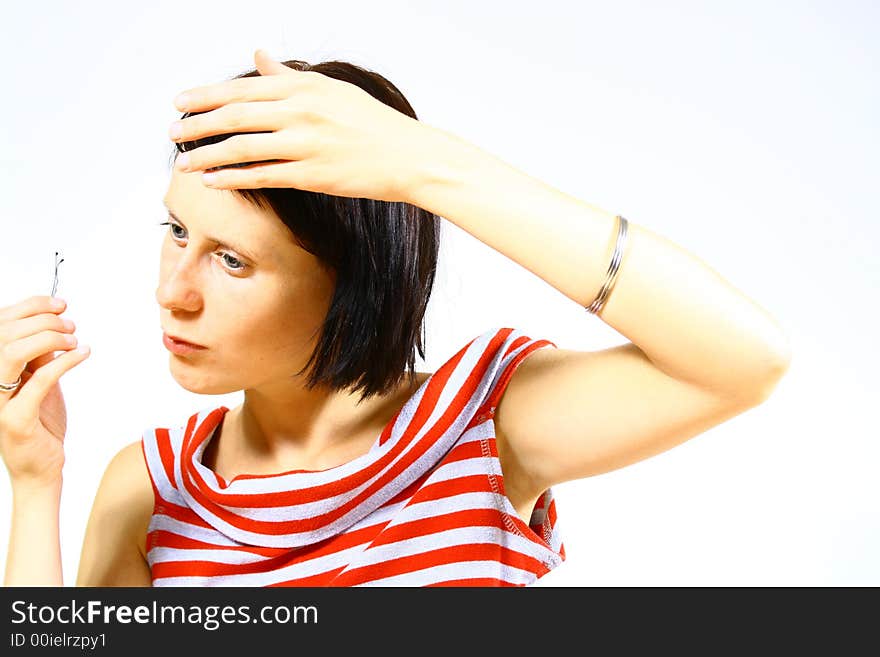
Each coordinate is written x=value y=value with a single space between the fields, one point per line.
x=129 y=479
x=113 y=552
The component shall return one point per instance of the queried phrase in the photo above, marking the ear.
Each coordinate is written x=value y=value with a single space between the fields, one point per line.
x=268 y=66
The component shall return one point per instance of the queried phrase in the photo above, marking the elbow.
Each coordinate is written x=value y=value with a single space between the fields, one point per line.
x=778 y=361
x=777 y=365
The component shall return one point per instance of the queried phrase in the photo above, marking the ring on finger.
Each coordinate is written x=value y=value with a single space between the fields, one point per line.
x=10 y=387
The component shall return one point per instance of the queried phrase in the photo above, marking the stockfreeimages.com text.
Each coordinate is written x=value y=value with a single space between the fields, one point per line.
x=211 y=616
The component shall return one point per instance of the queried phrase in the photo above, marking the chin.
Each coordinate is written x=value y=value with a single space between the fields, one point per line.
x=199 y=383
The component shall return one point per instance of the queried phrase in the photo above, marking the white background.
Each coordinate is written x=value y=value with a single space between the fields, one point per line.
x=745 y=132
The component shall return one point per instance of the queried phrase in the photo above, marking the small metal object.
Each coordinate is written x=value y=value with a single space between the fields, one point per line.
x=10 y=387
x=611 y=274
x=55 y=282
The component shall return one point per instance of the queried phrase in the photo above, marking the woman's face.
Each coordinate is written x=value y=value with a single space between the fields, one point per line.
x=233 y=279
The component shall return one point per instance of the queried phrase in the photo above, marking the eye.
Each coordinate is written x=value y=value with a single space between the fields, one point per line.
x=233 y=264
x=173 y=226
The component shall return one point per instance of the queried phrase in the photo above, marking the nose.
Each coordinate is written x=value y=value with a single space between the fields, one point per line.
x=178 y=284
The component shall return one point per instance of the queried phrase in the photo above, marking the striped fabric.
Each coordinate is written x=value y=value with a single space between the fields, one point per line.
x=424 y=507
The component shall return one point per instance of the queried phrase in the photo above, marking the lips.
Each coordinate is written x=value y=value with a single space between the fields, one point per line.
x=191 y=344
x=179 y=345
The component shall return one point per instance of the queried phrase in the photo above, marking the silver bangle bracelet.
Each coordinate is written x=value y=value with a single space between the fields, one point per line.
x=613 y=268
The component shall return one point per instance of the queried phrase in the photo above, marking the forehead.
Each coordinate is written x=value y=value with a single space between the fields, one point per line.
x=226 y=217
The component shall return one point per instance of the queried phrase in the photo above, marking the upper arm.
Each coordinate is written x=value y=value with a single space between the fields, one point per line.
x=567 y=414
x=111 y=553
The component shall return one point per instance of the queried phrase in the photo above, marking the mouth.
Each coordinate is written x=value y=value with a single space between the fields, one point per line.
x=179 y=346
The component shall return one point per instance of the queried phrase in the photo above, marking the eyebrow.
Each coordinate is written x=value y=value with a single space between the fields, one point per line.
x=245 y=252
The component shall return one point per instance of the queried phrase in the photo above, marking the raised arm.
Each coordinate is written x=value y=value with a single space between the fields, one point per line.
x=701 y=352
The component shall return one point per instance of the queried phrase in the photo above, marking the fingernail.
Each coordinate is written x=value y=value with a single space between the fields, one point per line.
x=183 y=161
x=83 y=349
x=182 y=101
x=58 y=303
x=67 y=324
x=176 y=130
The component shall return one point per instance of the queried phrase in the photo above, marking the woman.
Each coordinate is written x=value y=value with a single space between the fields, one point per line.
x=306 y=288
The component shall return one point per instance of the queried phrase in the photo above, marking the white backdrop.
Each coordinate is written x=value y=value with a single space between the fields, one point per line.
x=745 y=132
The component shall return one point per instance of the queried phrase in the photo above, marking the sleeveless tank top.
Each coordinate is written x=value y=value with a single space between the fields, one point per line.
x=425 y=506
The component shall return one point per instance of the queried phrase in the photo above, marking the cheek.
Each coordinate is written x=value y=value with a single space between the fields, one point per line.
x=272 y=332
x=253 y=322
x=263 y=346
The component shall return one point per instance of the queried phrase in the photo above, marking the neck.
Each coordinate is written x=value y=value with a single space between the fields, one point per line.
x=280 y=424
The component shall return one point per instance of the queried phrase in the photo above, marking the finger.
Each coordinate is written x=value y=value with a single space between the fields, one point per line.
x=39 y=361
x=268 y=66
x=17 y=346
x=15 y=356
x=237 y=90
x=21 y=328
x=31 y=394
x=34 y=325
x=21 y=379
x=245 y=149
x=32 y=306
x=279 y=174
x=234 y=117
x=6 y=396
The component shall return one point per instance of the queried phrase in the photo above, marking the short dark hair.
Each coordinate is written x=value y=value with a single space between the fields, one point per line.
x=383 y=254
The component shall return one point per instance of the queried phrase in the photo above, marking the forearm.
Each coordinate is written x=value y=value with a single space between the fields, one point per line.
x=34 y=553
x=689 y=321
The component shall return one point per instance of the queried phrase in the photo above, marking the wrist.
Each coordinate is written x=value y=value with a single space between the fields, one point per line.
x=27 y=490
x=442 y=161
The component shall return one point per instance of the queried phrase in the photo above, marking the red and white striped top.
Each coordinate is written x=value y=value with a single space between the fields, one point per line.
x=425 y=506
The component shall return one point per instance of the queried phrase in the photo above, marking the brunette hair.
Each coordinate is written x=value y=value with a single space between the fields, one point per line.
x=384 y=256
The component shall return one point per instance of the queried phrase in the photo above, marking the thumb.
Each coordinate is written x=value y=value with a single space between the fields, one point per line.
x=268 y=66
